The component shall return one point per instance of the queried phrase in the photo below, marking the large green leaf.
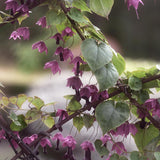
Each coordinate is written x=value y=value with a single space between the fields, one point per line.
x=96 y=54
x=119 y=63
x=101 y=7
x=157 y=155
x=144 y=136
x=110 y=115
x=106 y=76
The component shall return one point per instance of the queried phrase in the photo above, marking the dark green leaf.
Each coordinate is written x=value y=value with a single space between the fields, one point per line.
x=19 y=124
x=119 y=63
x=106 y=76
x=78 y=123
x=135 y=83
x=136 y=156
x=101 y=7
x=101 y=149
x=96 y=55
x=110 y=115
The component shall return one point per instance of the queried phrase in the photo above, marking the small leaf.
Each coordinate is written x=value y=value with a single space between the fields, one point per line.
x=73 y=105
x=5 y=101
x=96 y=55
x=37 y=102
x=22 y=18
x=32 y=115
x=21 y=99
x=110 y=115
x=88 y=120
x=101 y=7
x=68 y=97
x=157 y=155
x=135 y=83
x=119 y=63
x=78 y=123
x=48 y=121
x=77 y=15
x=80 y=4
x=19 y=124
x=106 y=76
x=101 y=149
x=13 y=100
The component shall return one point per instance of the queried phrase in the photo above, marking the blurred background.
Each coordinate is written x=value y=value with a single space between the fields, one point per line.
x=136 y=39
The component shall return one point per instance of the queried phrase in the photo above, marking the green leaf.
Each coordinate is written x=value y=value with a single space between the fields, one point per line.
x=13 y=100
x=101 y=149
x=77 y=15
x=114 y=157
x=32 y=115
x=144 y=136
x=73 y=105
x=5 y=101
x=22 y=18
x=81 y=4
x=110 y=115
x=119 y=63
x=135 y=83
x=78 y=123
x=1 y=21
x=13 y=116
x=37 y=102
x=152 y=84
x=106 y=76
x=88 y=120
x=48 y=121
x=69 y=97
x=19 y=124
x=157 y=155
x=101 y=7
x=21 y=99
x=54 y=18
x=96 y=55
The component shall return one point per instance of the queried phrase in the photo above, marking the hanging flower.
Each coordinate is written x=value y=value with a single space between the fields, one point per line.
x=58 y=137
x=40 y=46
x=42 y=22
x=53 y=65
x=57 y=37
x=30 y=139
x=67 y=32
x=44 y=142
x=11 y=4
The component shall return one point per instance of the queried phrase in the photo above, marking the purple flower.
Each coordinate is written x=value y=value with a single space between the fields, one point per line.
x=105 y=139
x=53 y=65
x=30 y=139
x=41 y=47
x=67 y=32
x=23 y=32
x=88 y=147
x=57 y=37
x=63 y=113
x=119 y=148
x=125 y=129
x=2 y=134
x=11 y=4
x=104 y=94
x=42 y=22
x=45 y=142
x=58 y=137
x=74 y=82
x=67 y=54
x=69 y=141
x=85 y=93
x=77 y=61
x=23 y=8
x=135 y=4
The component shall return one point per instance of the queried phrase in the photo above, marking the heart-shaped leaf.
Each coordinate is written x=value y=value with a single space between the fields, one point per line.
x=96 y=55
x=110 y=115
x=106 y=76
